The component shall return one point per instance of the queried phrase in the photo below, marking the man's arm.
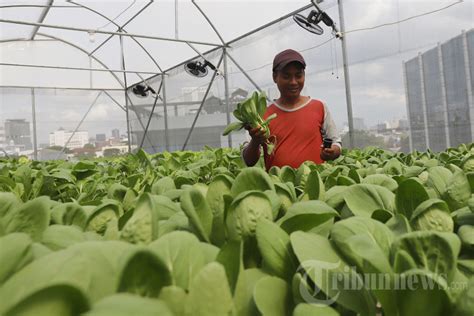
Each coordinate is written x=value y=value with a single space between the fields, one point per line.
x=329 y=130
x=251 y=152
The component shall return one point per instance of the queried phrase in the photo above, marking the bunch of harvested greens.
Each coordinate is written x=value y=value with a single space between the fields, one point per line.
x=250 y=113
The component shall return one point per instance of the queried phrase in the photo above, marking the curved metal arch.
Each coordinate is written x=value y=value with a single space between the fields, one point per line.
x=85 y=52
x=120 y=28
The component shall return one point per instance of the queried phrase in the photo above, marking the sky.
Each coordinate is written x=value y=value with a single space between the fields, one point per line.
x=375 y=54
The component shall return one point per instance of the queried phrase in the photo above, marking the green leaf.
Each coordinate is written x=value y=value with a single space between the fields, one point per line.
x=432 y=214
x=244 y=213
x=458 y=191
x=274 y=245
x=314 y=186
x=219 y=186
x=466 y=234
x=15 y=253
x=399 y=224
x=364 y=199
x=382 y=180
x=90 y=266
x=243 y=297
x=306 y=216
x=102 y=214
x=69 y=214
x=410 y=194
x=32 y=218
x=252 y=178
x=323 y=265
x=142 y=227
x=433 y=251
x=183 y=255
x=209 y=292
x=428 y=296
x=272 y=296
x=163 y=185
x=58 y=299
x=232 y=127
x=124 y=304
x=57 y=237
x=314 y=310
x=438 y=179
x=231 y=257
x=143 y=274
x=199 y=213
x=174 y=297
x=465 y=303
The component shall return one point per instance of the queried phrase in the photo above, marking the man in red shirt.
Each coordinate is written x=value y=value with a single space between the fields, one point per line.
x=301 y=123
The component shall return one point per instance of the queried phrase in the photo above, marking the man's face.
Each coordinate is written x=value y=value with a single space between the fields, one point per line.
x=290 y=80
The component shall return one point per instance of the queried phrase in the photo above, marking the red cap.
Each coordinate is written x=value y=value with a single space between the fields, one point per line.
x=285 y=57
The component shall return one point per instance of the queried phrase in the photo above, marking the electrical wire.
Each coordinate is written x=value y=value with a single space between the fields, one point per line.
x=404 y=20
x=119 y=15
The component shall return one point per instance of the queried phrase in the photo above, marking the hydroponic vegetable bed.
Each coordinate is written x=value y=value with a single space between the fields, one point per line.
x=197 y=233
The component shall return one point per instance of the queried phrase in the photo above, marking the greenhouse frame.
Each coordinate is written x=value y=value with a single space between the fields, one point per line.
x=102 y=54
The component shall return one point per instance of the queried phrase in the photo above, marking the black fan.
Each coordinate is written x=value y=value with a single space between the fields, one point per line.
x=142 y=91
x=197 y=68
x=310 y=23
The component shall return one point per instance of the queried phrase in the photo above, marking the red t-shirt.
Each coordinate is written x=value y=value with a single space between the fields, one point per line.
x=298 y=134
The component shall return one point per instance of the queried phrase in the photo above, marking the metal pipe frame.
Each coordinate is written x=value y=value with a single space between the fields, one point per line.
x=85 y=52
x=444 y=95
x=78 y=29
x=226 y=88
x=113 y=99
x=202 y=103
x=470 y=97
x=129 y=135
x=209 y=21
x=407 y=101
x=41 y=18
x=36 y=6
x=347 y=80
x=60 y=88
x=77 y=68
x=33 y=114
x=423 y=99
x=79 y=125
x=247 y=76
x=151 y=116
x=119 y=28
x=165 y=109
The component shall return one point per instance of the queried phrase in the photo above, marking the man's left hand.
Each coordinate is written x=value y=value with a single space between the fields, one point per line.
x=330 y=153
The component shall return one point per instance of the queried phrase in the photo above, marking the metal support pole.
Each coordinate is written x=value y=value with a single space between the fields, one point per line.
x=347 y=80
x=115 y=101
x=176 y=19
x=407 y=100
x=165 y=108
x=423 y=99
x=129 y=135
x=150 y=117
x=246 y=75
x=79 y=125
x=470 y=97
x=444 y=95
x=33 y=114
x=202 y=104
x=226 y=87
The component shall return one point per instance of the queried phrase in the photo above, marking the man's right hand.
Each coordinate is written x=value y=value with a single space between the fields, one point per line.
x=257 y=134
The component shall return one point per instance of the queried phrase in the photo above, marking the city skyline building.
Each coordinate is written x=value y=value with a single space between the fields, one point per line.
x=438 y=87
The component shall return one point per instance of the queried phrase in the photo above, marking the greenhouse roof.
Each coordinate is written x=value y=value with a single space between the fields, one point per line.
x=54 y=43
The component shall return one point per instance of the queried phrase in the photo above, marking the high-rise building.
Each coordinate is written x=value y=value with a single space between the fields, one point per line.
x=439 y=87
x=18 y=131
x=61 y=137
x=100 y=137
x=2 y=135
x=116 y=134
x=359 y=124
